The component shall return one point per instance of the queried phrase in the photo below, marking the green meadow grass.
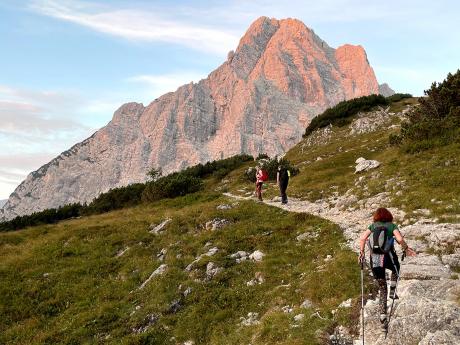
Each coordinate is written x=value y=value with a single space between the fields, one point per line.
x=63 y=284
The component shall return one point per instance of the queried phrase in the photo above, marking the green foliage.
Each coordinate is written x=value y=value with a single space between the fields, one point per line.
x=171 y=186
x=190 y=180
x=398 y=97
x=155 y=174
x=116 y=198
x=218 y=168
x=340 y=115
x=48 y=216
x=262 y=156
x=436 y=121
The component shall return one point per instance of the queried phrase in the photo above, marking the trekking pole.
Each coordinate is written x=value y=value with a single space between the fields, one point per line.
x=396 y=287
x=362 y=294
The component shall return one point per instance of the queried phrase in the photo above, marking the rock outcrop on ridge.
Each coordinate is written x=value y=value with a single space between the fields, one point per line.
x=386 y=90
x=258 y=101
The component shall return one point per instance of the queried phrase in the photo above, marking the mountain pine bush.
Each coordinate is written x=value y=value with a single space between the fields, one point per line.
x=436 y=121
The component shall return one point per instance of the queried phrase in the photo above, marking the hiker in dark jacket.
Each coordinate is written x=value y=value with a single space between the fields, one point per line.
x=379 y=260
x=282 y=178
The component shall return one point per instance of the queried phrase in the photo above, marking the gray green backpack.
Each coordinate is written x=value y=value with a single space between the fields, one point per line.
x=381 y=242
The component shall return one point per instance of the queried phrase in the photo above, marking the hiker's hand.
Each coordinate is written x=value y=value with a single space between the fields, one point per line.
x=410 y=252
x=361 y=257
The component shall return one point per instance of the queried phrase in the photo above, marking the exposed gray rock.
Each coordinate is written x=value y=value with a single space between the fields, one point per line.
x=306 y=304
x=159 y=271
x=212 y=270
x=287 y=309
x=299 y=317
x=385 y=90
x=365 y=165
x=370 y=122
x=257 y=256
x=452 y=260
x=345 y=304
x=158 y=228
x=121 y=252
x=209 y=253
x=258 y=279
x=216 y=224
x=250 y=320
x=150 y=320
x=306 y=236
x=161 y=254
x=240 y=256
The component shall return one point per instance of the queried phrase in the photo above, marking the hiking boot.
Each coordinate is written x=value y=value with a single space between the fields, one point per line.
x=384 y=321
x=393 y=294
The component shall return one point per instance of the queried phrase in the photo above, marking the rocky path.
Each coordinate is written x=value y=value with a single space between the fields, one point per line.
x=427 y=312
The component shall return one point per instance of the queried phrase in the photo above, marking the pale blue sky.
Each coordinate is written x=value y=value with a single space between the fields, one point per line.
x=65 y=66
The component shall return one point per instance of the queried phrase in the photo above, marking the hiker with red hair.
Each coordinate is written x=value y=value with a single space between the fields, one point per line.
x=383 y=255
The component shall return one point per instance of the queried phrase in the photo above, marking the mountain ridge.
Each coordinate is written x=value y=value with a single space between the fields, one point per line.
x=258 y=101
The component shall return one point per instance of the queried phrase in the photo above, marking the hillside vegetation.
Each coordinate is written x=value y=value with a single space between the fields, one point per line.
x=79 y=281
x=89 y=279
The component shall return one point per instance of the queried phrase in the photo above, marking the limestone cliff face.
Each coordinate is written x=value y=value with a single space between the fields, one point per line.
x=258 y=101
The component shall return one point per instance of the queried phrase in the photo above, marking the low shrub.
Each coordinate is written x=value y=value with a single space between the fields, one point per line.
x=171 y=186
x=116 y=198
x=398 y=97
x=48 y=216
x=436 y=121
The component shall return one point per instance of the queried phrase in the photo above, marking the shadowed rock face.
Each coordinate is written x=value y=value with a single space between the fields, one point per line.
x=258 y=101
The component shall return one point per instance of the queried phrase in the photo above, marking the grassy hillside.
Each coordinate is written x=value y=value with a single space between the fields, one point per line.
x=85 y=280
x=65 y=283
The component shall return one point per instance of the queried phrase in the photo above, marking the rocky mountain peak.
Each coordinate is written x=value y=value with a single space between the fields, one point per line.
x=258 y=101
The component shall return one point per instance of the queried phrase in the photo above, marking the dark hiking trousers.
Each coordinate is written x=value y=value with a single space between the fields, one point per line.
x=379 y=275
x=283 y=188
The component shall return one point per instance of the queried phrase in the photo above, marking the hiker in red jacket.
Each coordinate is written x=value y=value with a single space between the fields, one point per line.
x=260 y=178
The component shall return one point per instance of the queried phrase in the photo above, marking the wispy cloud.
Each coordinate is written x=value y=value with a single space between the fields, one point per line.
x=157 y=85
x=35 y=126
x=138 y=25
x=36 y=113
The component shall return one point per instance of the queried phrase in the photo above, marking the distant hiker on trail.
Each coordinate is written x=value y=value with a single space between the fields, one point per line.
x=383 y=256
x=282 y=178
x=261 y=176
